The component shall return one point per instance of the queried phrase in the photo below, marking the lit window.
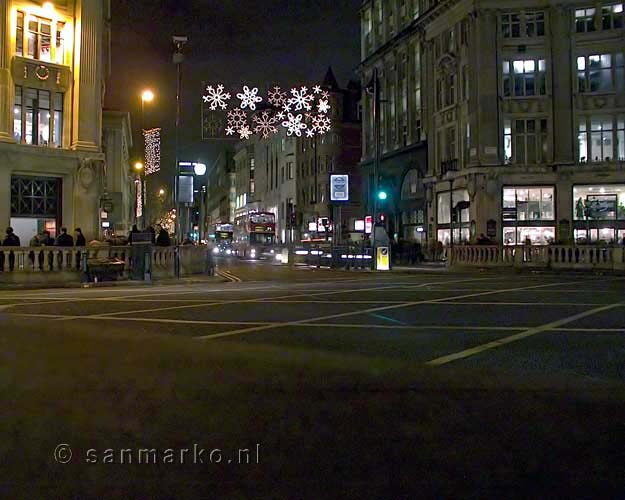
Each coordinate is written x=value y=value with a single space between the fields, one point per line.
x=60 y=42
x=601 y=72
x=36 y=119
x=39 y=38
x=601 y=138
x=525 y=140
x=612 y=16
x=585 y=20
x=524 y=78
x=19 y=34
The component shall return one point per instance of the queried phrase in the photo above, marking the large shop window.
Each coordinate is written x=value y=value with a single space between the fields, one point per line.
x=599 y=213
x=599 y=202
x=37 y=120
x=601 y=138
x=524 y=77
x=528 y=213
x=525 y=140
x=445 y=213
x=601 y=72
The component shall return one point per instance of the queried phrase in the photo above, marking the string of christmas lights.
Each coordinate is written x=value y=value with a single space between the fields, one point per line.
x=152 y=139
x=302 y=112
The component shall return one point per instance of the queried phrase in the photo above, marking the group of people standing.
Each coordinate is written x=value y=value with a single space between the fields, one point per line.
x=42 y=239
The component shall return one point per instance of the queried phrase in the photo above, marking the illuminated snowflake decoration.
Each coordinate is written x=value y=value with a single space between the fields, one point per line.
x=280 y=115
x=249 y=98
x=323 y=106
x=245 y=132
x=325 y=95
x=230 y=130
x=276 y=97
x=237 y=118
x=310 y=132
x=321 y=124
x=317 y=89
x=301 y=99
x=265 y=124
x=294 y=125
x=216 y=97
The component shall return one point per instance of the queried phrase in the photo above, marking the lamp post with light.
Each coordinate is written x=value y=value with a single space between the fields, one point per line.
x=140 y=170
x=146 y=96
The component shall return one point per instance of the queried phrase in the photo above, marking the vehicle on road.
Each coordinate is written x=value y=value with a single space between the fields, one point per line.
x=220 y=238
x=255 y=236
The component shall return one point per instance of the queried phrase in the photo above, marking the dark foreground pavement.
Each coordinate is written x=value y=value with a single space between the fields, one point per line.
x=430 y=385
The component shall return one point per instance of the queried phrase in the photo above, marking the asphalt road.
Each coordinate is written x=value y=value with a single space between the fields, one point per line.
x=428 y=384
x=545 y=324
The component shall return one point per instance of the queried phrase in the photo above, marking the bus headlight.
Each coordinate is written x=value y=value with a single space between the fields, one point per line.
x=253 y=253
x=216 y=250
x=229 y=252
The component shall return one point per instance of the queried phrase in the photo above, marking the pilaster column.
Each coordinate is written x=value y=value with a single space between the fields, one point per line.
x=487 y=130
x=562 y=97
x=5 y=192
x=6 y=125
x=87 y=105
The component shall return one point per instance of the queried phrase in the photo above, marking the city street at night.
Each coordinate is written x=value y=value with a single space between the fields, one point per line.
x=355 y=383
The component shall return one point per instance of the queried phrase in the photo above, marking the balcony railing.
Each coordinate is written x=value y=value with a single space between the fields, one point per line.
x=449 y=166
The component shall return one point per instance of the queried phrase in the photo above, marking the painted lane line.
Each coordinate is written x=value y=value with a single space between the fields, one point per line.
x=367 y=311
x=518 y=336
x=386 y=318
x=235 y=301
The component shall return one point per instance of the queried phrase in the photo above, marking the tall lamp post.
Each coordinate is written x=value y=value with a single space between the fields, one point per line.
x=146 y=96
x=140 y=170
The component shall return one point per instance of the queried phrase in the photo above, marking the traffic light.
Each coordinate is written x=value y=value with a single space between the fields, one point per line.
x=382 y=195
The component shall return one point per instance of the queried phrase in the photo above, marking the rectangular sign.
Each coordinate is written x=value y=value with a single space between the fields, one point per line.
x=382 y=258
x=339 y=187
x=185 y=189
x=359 y=225
x=368 y=224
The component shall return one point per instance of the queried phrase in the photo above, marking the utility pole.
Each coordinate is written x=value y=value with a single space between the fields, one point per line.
x=376 y=160
x=179 y=43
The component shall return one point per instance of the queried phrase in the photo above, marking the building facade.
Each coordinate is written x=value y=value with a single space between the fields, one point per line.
x=119 y=190
x=53 y=64
x=393 y=48
x=523 y=109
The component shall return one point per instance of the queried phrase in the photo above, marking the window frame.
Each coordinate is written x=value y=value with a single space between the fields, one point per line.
x=511 y=75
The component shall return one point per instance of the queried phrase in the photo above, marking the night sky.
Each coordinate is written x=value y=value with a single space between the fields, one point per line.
x=259 y=42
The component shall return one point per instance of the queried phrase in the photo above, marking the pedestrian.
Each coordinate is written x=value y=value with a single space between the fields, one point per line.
x=11 y=240
x=152 y=232
x=483 y=240
x=64 y=239
x=162 y=240
x=35 y=241
x=133 y=231
x=80 y=242
x=80 y=238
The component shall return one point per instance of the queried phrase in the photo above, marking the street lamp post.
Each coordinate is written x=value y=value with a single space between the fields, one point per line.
x=178 y=58
x=146 y=96
x=139 y=168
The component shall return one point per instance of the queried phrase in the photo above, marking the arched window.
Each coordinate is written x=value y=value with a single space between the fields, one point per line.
x=412 y=186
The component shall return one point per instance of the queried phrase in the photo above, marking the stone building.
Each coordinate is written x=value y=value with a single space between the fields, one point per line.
x=395 y=50
x=53 y=64
x=523 y=107
x=119 y=189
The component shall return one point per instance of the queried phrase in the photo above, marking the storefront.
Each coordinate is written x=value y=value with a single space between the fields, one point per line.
x=599 y=213
x=528 y=215
x=35 y=206
x=453 y=211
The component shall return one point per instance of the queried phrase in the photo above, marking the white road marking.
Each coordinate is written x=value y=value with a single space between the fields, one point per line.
x=518 y=336
x=247 y=301
x=366 y=311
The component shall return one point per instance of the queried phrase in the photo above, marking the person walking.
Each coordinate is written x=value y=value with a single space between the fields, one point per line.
x=11 y=240
x=80 y=238
x=162 y=240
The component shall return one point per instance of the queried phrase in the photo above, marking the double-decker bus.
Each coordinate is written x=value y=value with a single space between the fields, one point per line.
x=255 y=235
x=220 y=238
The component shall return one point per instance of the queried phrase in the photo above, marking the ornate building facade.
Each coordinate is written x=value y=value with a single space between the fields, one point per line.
x=53 y=64
x=523 y=108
